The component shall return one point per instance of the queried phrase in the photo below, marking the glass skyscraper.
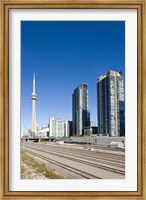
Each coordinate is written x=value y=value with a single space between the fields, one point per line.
x=80 y=113
x=111 y=104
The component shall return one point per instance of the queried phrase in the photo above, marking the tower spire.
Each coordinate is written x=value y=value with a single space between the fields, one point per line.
x=33 y=98
x=33 y=83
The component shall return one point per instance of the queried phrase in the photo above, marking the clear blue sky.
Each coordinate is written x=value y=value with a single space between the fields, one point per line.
x=64 y=54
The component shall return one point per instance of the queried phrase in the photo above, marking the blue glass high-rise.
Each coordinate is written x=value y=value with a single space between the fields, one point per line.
x=80 y=112
x=111 y=104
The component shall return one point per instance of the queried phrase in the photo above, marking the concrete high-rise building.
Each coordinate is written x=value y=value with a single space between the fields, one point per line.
x=58 y=127
x=80 y=112
x=111 y=106
x=33 y=98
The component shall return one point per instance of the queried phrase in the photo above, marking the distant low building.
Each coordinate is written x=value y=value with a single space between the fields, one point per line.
x=94 y=130
x=87 y=131
x=30 y=133
x=90 y=131
x=43 y=133
x=25 y=134
x=38 y=128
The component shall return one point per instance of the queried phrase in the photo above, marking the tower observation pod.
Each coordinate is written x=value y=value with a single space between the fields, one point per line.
x=33 y=98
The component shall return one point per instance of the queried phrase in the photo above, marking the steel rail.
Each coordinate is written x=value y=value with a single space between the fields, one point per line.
x=119 y=171
x=67 y=167
x=94 y=154
x=92 y=158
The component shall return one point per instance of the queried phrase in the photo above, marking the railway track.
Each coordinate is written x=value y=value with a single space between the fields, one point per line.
x=96 y=157
x=114 y=169
x=118 y=160
x=69 y=168
x=95 y=154
x=89 y=160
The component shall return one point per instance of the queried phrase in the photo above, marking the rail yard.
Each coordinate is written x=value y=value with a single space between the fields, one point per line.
x=80 y=161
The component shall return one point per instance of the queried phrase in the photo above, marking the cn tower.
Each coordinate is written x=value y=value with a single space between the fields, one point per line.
x=33 y=98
